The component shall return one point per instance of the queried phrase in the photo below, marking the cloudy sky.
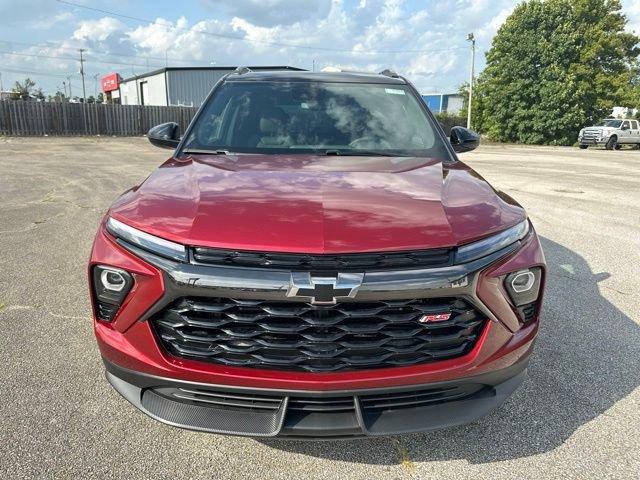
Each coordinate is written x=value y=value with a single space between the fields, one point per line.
x=424 y=40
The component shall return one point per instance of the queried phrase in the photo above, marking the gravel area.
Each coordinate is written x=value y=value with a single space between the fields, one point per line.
x=576 y=416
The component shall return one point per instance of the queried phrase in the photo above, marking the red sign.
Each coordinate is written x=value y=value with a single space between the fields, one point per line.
x=110 y=82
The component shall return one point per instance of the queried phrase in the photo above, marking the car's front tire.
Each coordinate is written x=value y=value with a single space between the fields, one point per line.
x=612 y=143
x=583 y=147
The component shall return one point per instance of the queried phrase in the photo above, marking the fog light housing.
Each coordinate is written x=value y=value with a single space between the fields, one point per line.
x=111 y=286
x=523 y=287
x=523 y=281
x=112 y=280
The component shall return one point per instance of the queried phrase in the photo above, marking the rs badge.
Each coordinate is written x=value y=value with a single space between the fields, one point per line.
x=438 y=317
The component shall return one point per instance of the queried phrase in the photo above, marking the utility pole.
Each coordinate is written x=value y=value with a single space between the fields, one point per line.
x=84 y=93
x=1 y=86
x=64 y=86
x=69 y=80
x=471 y=38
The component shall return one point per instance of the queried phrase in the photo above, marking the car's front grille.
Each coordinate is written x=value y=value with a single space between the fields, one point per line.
x=305 y=414
x=222 y=399
x=440 y=257
x=591 y=134
x=369 y=402
x=416 y=398
x=304 y=337
x=321 y=404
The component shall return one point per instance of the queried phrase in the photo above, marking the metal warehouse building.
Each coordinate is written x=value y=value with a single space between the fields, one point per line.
x=186 y=86
x=444 y=102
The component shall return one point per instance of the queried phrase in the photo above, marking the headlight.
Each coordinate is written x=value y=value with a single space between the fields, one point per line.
x=146 y=241
x=492 y=244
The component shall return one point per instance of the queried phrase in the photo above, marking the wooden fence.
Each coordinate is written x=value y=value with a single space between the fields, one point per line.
x=49 y=118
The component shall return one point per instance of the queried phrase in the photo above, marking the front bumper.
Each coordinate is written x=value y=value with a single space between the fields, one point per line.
x=593 y=141
x=138 y=365
x=316 y=414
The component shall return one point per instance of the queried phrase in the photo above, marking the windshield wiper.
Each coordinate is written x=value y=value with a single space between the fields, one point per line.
x=206 y=152
x=363 y=153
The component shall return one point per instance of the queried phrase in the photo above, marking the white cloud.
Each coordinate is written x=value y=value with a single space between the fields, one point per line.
x=274 y=12
x=97 y=29
x=489 y=30
x=51 y=20
x=631 y=8
x=369 y=35
x=158 y=36
x=364 y=35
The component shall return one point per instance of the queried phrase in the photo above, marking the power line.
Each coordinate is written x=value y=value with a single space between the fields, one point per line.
x=37 y=55
x=245 y=39
x=57 y=45
x=74 y=59
x=33 y=72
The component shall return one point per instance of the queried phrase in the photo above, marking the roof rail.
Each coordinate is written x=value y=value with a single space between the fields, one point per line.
x=389 y=73
x=365 y=72
x=241 y=70
x=332 y=69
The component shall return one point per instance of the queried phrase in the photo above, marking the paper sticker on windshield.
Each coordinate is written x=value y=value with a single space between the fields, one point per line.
x=394 y=91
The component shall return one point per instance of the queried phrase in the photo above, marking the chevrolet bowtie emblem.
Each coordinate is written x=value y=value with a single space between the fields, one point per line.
x=324 y=290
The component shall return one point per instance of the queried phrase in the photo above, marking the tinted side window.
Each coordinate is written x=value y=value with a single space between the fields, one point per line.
x=634 y=124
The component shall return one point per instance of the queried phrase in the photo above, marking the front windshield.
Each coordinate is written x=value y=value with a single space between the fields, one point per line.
x=315 y=117
x=613 y=123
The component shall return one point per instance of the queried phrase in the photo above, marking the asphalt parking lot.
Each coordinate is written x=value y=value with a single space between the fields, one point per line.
x=577 y=415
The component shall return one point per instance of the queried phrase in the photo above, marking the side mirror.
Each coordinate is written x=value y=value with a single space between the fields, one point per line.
x=463 y=140
x=165 y=135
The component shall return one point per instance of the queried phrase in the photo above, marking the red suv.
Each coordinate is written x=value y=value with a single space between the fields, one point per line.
x=315 y=261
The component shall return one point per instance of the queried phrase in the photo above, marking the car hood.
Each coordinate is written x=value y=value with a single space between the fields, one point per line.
x=316 y=204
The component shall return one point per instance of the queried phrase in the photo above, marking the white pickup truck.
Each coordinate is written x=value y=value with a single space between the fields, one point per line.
x=613 y=133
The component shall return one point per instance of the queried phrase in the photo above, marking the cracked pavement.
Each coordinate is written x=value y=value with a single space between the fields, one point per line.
x=576 y=416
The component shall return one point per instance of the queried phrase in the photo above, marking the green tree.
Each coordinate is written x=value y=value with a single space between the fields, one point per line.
x=100 y=98
x=555 y=66
x=635 y=93
x=448 y=120
x=58 y=97
x=478 y=112
x=463 y=91
x=39 y=94
x=22 y=90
